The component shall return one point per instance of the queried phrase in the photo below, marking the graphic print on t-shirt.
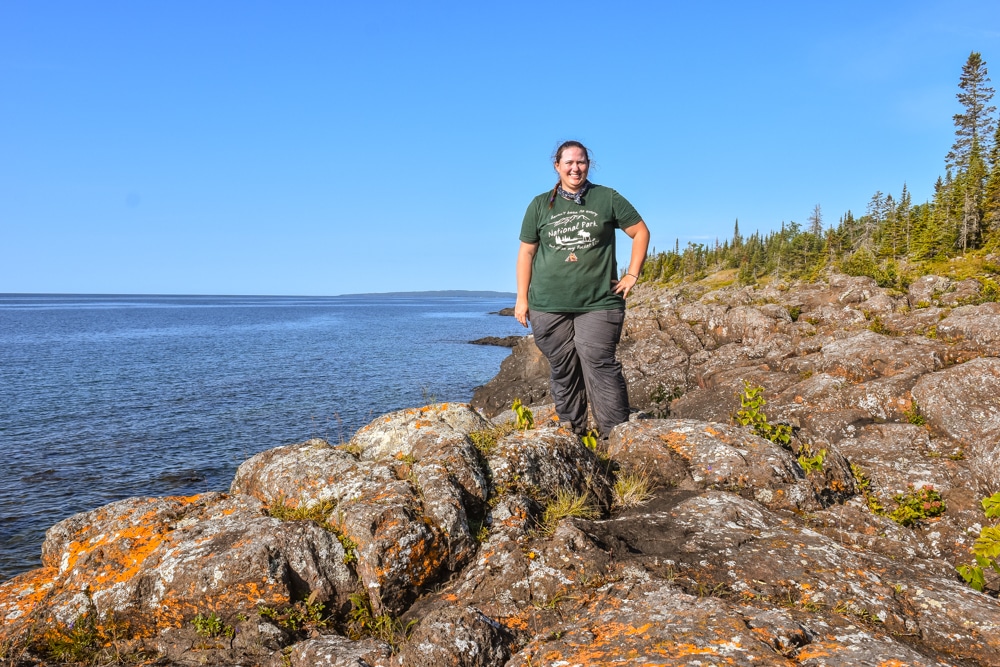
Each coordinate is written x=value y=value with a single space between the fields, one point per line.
x=572 y=231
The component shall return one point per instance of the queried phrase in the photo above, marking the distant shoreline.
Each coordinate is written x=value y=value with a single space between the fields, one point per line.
x=440 y=293
x=450 y=292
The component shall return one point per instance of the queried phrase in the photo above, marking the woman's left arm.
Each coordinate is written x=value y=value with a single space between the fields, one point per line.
x=639 y=233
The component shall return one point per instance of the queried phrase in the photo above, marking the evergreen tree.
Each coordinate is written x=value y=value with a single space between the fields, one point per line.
x=969 y=194
x=991 y=191
x=905 y=215
x=975 y=127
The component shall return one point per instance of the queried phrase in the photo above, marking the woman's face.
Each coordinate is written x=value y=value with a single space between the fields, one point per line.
x=572 y=168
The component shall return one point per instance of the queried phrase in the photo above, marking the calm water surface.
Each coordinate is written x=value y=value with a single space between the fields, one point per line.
x=107 y=397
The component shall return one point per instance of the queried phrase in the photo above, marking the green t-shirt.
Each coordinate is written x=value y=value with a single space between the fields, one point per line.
x=575 y=261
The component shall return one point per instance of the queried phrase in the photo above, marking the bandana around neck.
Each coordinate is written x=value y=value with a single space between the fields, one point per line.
x=574 y=196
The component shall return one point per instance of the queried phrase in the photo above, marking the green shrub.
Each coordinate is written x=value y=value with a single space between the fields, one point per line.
x=811 y=464
x=916 y=505
x=296 y=618
x=211 y=626
x=986 y=550
x=751 y=413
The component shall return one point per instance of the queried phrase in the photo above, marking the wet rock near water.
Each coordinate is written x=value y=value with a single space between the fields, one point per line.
x=505 y=341
x=436 y=536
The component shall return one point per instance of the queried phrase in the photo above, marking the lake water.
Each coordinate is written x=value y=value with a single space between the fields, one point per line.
x=107 y=397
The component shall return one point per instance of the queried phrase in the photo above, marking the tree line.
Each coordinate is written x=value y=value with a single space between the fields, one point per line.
x=895 y=240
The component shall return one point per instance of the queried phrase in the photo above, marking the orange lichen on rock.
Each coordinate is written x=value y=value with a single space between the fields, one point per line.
x=118 y=556
x=519 y=622
x=20 y=596
x=677 y=442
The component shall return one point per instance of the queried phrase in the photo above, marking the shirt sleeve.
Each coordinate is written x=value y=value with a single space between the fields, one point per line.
x=529 y=226
x=625 y=214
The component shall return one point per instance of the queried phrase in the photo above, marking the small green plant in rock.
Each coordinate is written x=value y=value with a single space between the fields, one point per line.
x=661 y=398
x=811 y=463
x=211 y=626
x=986 y=550
x=89 y=640
x=78 y=643
x=849 y=608
x=913 y=415
x=879 y=327
x=916 y=505
x=350 y=547
x=363 y=622
x=303 y=615
x=751 y=413
x=479 y=530
x=865 y=486
x=525 y=420
x=590 y=440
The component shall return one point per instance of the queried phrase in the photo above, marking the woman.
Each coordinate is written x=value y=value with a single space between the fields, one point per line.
x=568 y=287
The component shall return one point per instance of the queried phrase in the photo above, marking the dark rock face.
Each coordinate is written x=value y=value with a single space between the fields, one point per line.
x=506 y=341
x=524 y=374
x=431 y=550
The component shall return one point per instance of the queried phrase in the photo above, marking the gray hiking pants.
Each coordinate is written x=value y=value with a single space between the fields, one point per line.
x=580 y=348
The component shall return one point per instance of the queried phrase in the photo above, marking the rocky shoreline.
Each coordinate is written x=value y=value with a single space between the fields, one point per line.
x=438 y=535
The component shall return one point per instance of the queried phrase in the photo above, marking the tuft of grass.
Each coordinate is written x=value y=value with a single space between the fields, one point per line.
x=486 y=439
x=319 y=513
x=566 y=503
x=285 y=509
x=632 y=489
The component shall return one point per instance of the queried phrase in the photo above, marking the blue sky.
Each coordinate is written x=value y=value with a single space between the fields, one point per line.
x=322 y=148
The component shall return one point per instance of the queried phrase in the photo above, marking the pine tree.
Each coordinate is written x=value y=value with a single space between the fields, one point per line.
x=969 y=188
x=991 y=192
x=905 y=216
x=975 y=127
